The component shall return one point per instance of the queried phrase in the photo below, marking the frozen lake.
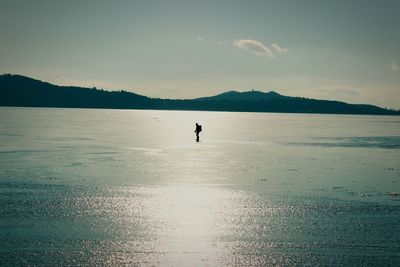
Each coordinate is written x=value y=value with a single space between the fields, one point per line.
x=131 y=187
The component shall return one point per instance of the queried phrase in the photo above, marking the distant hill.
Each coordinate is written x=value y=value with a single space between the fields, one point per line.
x=240 y=96
x=16 y=90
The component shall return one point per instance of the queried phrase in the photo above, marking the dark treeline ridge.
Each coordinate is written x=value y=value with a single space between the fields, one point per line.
x=16 y=90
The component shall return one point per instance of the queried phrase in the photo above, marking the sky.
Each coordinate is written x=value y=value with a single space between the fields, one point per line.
x=342 y=50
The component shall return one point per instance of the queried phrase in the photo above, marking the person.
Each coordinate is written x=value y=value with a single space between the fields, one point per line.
x=197 y=131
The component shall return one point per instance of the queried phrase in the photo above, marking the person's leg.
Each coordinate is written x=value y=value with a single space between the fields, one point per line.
x=197 y=137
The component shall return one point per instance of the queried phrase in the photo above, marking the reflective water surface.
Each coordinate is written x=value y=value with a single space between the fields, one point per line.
x=125 y=187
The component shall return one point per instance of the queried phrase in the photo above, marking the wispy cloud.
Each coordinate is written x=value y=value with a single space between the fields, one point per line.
x=254 y=47
x=199 y=38
x=279 y=49
x=394 y=66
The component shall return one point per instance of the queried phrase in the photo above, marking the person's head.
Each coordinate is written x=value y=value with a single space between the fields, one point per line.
x=197 y=124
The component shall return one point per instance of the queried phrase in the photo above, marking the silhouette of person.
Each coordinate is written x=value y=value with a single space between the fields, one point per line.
x=197 y=131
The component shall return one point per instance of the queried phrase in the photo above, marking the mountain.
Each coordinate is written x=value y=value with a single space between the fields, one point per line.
x=16 y=90
x=240 y=96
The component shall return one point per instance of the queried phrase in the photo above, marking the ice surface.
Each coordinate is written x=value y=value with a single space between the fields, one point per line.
x=119 y=187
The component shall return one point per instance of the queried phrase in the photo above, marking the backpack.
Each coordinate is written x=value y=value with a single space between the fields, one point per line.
x=200 y=129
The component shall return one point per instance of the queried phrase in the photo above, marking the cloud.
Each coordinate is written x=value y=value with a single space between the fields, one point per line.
x=279 y=49
x=254 y=47
x=199 y=38
x=394 y=66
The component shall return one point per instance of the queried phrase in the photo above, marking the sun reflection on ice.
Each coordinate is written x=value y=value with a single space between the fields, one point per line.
x=191 y=222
